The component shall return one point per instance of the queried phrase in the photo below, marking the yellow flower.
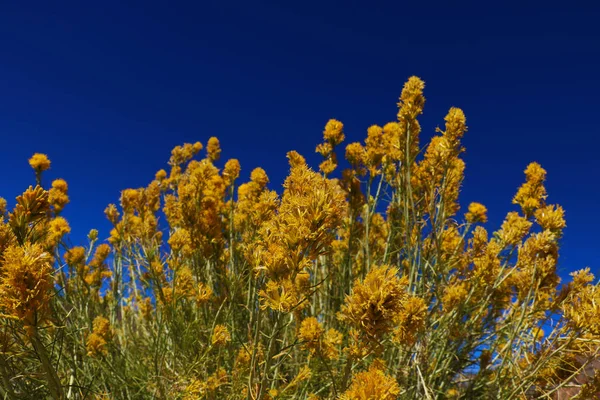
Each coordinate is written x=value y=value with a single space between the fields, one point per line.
x=376 y=303
x=551 y=218
x=259 y=176
x=26 y=282
x=454 y=295
x=99 y=337
x=334 y=132
x=39 y=162
x=310 y=333
x=331 y=343
x=75 y=256
x=412 y=100
x=231 y=171
x=181 y=242
x=372 y=384
x=58 y=227
x=357 y=157
x=161 y=175
x=532 y=194
x=184 y=283
x=220 y=336
x=112 y=214
x=204 y=293
x=477 y=213
x=92 y=235
x=213 y=149
x=411 y=321
x=514 y=228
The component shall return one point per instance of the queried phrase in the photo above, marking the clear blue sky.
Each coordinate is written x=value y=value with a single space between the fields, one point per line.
x=106 y=89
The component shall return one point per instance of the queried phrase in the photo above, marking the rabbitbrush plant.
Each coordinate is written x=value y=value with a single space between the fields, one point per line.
x=368 y=283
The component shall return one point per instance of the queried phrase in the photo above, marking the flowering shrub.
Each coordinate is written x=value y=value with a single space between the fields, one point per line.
x=363 y=284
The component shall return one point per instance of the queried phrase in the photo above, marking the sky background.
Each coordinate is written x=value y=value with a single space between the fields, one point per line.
x=106 y=89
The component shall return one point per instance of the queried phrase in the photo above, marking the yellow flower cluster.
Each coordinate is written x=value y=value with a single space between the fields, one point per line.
x=98 y=339
x=372 y=384
x=360 y=283
x=25 y=283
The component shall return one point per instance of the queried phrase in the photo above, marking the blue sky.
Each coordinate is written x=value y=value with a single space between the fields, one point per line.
x=106 y=89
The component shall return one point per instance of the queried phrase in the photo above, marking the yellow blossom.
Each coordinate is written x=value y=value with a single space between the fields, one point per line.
x=532 y=194
x=372 y=384
x=97 y=340
x=375 y=304
x=477 y=213
x=231 y=171
x=334 y=132
x=220 y=336
x=259 y=176
x=25 y=283
x=310 y=333
x=39 y=162
x=213 y=149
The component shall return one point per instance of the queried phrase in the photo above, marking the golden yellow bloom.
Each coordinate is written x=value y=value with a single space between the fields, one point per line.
x=112 y=214
x=372 y=384
x=58 y=227
x=375 y=147
x=259 y=176
x=231 y=171
x=25 y=283
x=181 y=242
x=532 y=194
x=213 y=149
x=331 y=343
x=198 y=389
x=98 y=268
x=39 y=162
x=412 y=100
x=310 y=333
x=582 y=308
x=477 y=213
x=2 y=207
x=75 y=257
x=220 y=336
x=130 y=199
x=279 y=296
x=454 y=295
x=161 y=175
x=57 y=195
x=184 y=283
x=204 y=293
x=328 y=166
x=99 y=337
x=551 y=218
x=514 y=228
x=60 y=185
x=93 y=235
x=357 y=157
x=146 y=308
x=334 y=132
x=375 y=304
x=411 y=320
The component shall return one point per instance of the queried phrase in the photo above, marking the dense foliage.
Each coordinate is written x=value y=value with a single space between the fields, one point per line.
x=367 y=284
